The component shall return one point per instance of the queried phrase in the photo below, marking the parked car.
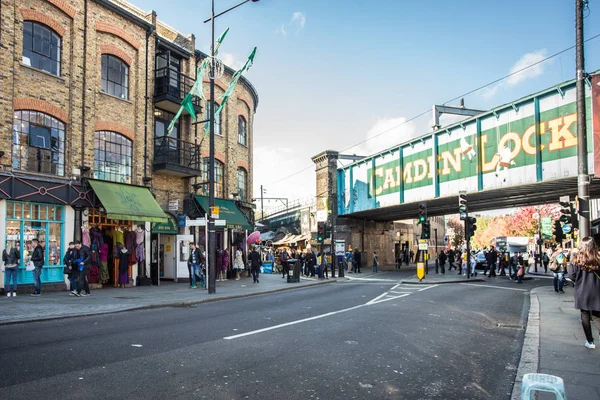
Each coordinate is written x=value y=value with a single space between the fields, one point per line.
x=481 y=260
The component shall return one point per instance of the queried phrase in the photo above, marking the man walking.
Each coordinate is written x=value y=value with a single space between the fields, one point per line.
x=375 y=262
x=357 y=260
x=71 y=270
x=255 y=262
x=451 y=258
x=492 y=259
x=83 y=258
x=37 y=258
x=284 y=265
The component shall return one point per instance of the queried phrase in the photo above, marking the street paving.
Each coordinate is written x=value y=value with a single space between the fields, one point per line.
x=349 y=340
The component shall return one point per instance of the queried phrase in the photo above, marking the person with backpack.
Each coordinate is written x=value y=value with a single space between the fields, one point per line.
x=545 y=261
x=558 y=265
x=584 y=270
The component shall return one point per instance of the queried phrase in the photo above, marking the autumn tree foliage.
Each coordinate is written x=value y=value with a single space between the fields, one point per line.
x=457 y=234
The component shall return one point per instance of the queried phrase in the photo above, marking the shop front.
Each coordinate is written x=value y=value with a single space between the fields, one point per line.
x=163 y=249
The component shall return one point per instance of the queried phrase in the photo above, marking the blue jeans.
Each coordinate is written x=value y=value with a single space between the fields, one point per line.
x=37 y=279
x=195 y=270
x=558 y=281
x=10 y=274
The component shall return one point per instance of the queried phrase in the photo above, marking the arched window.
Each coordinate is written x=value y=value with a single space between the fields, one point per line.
x=41 y=47
x=242 y=130
x=219 y=177
x=217 y=120
x=112 y=157
x=38 y=143
x=242 y=183
x=115 y=76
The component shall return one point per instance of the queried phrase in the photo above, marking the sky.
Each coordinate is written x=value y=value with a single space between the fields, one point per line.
x=334 y=73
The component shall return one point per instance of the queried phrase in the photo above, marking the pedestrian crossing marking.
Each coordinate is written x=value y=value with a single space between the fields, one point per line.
x=386 y=296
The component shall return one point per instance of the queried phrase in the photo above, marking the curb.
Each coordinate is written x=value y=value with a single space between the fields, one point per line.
x=444 y=282
x=530 y=353
x=186 y=303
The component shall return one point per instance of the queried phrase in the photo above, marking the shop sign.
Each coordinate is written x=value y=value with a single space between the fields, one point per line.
x=181 y=219
x=169 y=227
x=214 y=212
x=174 y=205
x=340 y=247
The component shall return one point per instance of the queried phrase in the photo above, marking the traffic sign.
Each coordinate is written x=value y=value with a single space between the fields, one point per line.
x=566 y=228
x=423 y=245
x=420 y=270
x=321 y=215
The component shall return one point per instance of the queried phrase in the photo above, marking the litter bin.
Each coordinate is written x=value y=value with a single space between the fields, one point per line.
x=293 y=270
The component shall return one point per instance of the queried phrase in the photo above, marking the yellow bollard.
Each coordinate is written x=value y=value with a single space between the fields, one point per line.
x=420 y=270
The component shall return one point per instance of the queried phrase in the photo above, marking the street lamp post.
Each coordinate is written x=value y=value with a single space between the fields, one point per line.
x=212 y=270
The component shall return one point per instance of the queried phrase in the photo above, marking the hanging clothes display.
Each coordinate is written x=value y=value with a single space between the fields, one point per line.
x=103 y=256
x=85 y=236
x=130 y=245
x=123 y=256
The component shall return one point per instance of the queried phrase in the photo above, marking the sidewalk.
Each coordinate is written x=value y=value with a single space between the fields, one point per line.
x=54 y=305
x=554 y=345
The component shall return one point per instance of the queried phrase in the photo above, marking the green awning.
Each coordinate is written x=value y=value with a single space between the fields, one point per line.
x=132 y=203
x=234 y=219
x=169 y=227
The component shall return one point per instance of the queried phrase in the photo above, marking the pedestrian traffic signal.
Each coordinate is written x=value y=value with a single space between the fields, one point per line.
x=565 y=212
x=425 y=230
x=470 y=227
x=558 y=232
x=422 y=213
x=320 y=232
x=462 y=204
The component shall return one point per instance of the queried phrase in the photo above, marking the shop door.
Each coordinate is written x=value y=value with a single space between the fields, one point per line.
x=182 y=255
x=167 y=251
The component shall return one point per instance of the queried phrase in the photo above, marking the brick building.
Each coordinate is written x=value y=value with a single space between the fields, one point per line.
x=89 y=87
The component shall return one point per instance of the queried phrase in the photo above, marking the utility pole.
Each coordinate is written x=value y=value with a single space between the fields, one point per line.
x=583 y=179
x=262 y=208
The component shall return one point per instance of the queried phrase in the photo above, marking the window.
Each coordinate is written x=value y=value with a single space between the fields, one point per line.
x=112 y=157
x=38 y=143
x=41 y=47
x=219 y=182
x=115 y=76
x=242 y=182
x=217 y=119
x=166 y=145
x=242 y=130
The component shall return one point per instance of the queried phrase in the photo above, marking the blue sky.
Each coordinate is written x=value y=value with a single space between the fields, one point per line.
x=331 y=73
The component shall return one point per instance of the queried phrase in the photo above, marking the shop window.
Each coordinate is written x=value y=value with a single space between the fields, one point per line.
x=41 y=47
x=242 y=183
x=115 y=76
x=217 y=118
x=112 y=157
x=242 y=137
x=28 y=221
x=38 y=143
x=219 y=177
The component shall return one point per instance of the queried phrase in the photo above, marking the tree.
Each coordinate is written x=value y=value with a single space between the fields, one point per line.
x=457 y=227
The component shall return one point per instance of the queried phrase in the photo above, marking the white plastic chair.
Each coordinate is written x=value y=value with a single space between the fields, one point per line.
x=543 y=383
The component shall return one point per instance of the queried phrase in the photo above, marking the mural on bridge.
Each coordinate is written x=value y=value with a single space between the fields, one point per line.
x=531 y=140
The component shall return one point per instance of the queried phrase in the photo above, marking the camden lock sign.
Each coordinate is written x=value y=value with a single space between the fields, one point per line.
x=500 y=148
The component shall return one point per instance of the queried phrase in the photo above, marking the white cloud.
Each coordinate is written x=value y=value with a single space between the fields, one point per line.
x=525 y=61
x=230 y=60
x=385 y=133
x=298 y=21
x=300 y=18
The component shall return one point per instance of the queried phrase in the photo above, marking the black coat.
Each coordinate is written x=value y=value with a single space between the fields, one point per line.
x=37 y=257
x=587 y=288
x=254 y=258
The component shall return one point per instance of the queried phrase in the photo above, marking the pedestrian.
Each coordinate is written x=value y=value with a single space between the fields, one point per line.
x=442 y=260
x=491 y=260
x=255 y=263
x=194 y=264
x=37 y=258
x=349 y=260
x=411 y=255
x=545 y=261
x=10 y=257
x=463 y=263
x=324 y=265
x=584 y=270
x=558 y=266
x=473 y=262
x=284 y=266
x=375 y=262
x=82 y=260
x=357 y=260
x=70 y=269
x=451 y=257
x=312 y=262
x=512 y=266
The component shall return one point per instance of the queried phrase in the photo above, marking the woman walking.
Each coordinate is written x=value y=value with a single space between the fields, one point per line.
x=584 y=271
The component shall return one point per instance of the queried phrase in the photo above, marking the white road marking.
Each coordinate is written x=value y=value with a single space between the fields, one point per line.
x=428 y=287
x=377 y=298
x=395 y=286
x=494 y=287
x=388 y=299
x=392 y=291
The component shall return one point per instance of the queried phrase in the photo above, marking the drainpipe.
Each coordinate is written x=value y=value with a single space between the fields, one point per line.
x=85 y=20
x=148 y=33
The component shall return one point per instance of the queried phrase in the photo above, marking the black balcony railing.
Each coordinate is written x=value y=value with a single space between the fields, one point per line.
x=173 y=86
x=176 y=156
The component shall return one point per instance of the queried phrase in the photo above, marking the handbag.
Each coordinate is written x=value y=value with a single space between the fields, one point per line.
x=30 y=266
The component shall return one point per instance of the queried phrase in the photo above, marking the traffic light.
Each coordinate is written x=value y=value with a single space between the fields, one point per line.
x=565 y=213
x=558 y=232
x=320 y=232
x=462 y=206
x=470 y=227
x=425 y=230
x=422 y=213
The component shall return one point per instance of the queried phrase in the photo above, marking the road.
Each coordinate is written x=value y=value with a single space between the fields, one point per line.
x=350 y=340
